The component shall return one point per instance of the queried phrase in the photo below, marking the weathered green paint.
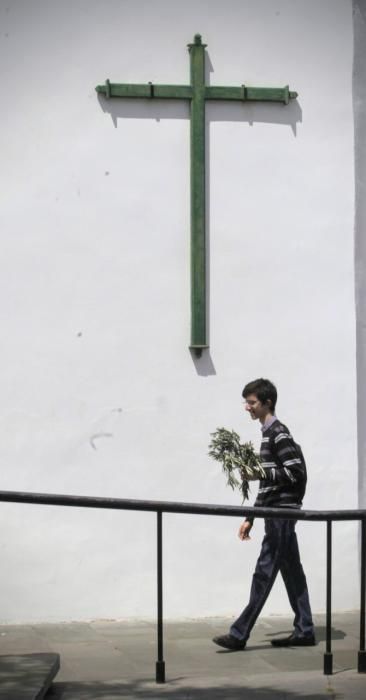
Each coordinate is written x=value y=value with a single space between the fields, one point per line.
x=250 y=94
x=198 y=199
x=187 y=92
x=172 y=92
x=197 y=92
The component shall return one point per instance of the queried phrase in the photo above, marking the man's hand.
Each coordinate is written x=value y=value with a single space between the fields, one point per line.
x=254 y=477
x=244 y=530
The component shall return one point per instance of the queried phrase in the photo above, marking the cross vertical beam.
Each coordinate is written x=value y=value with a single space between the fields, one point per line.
x=197 y=92
x=198 y=198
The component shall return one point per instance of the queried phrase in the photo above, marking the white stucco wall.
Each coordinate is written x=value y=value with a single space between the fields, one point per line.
x=359 y=99
x=99 y=393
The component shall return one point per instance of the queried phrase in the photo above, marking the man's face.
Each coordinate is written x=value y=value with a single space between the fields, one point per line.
x=256 y=408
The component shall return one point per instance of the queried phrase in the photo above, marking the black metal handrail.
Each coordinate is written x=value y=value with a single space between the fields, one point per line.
x=160 y=507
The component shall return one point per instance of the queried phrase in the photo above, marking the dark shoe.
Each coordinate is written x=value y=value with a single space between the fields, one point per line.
x=229 y=642
x=294 y=641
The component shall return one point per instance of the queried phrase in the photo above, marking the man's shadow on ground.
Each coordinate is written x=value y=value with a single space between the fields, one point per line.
x=320 y=635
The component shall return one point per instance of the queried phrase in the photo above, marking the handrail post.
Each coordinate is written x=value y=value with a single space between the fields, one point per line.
x=362 y=652
x=328 y=656
x=160 y=664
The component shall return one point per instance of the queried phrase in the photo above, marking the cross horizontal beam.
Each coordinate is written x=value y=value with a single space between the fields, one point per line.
x=243 y=93
x=250 y=94
x=148 y=90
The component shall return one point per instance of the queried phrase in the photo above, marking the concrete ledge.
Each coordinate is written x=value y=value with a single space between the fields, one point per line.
x=27 y=676
x=289 y=686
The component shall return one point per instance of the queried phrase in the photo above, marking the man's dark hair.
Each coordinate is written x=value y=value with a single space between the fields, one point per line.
x=264 y=391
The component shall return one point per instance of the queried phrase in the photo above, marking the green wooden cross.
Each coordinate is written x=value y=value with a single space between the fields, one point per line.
x=197 y=92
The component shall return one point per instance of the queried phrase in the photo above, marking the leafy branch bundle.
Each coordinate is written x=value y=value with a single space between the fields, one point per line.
x=240 y=463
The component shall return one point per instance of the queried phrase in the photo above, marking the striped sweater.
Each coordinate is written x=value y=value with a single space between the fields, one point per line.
x=285 y=468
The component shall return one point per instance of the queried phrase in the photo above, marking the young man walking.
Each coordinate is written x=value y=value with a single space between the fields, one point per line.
x=284 y=486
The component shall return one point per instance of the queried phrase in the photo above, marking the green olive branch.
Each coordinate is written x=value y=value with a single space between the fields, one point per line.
x=240 y=463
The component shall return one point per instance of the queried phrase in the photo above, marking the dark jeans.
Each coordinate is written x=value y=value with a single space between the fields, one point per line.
x=280 y=552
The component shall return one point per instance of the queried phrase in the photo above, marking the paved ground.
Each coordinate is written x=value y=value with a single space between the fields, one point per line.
x=106 y=660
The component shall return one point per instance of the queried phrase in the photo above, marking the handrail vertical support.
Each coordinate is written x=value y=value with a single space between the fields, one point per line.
x=362 y=653
x=160 y=664
x=328 y=656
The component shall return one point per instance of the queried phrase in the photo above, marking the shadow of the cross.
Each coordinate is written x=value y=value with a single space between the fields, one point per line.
x=251 y=113
x=256 y=113
x=204 y=365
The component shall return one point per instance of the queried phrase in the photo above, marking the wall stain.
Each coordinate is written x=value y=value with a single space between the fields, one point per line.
x=97 y=436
